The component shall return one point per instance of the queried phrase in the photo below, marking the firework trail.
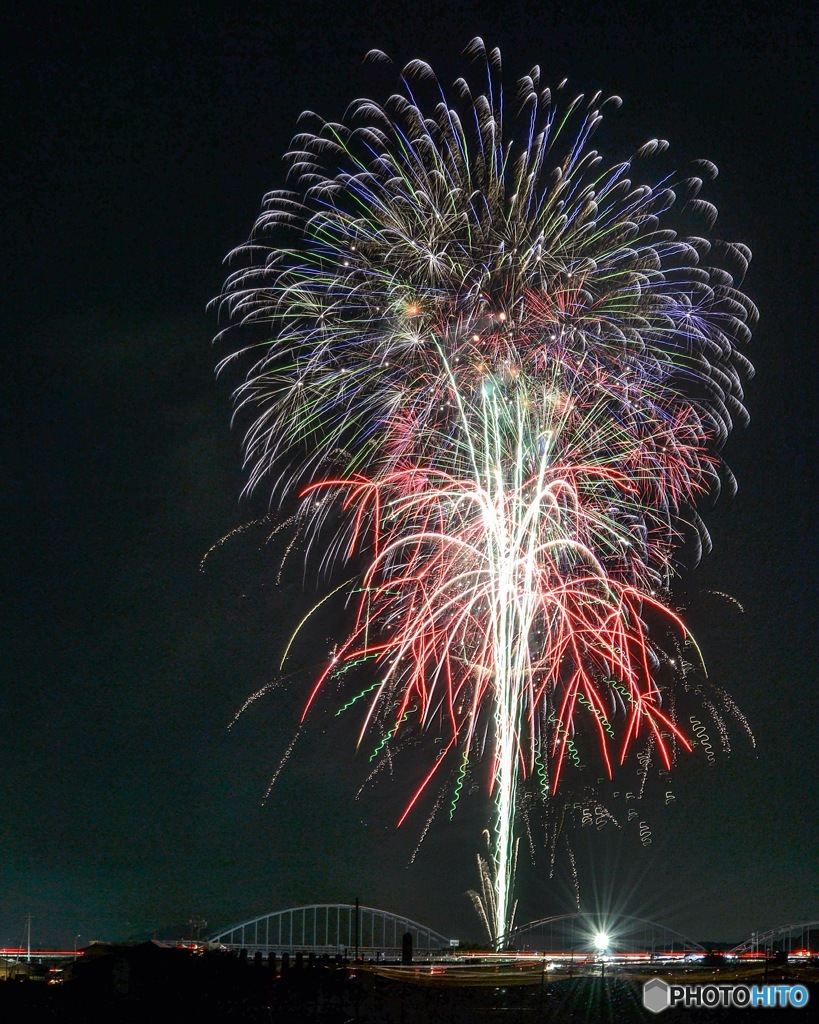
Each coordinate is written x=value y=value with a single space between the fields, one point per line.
x=489 y=369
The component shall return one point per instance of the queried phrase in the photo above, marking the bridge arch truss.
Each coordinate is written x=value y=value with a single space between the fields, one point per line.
x=575 y=933
x=332 y=928
x=789 y=938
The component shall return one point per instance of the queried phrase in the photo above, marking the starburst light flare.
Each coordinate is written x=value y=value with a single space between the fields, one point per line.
x=489 y=369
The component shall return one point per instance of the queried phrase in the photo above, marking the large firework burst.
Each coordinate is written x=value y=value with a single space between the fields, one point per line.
x=490 y=369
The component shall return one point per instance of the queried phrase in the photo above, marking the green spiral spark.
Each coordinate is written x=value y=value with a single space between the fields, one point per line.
x=569 y=743
x=352 y=664
x=541 y=771
x=390 y=734
x=358 y=697
x=620 y=688
x=597 y=713
x=459 y=784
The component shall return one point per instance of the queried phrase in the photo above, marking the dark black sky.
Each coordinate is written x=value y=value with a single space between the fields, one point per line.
x=137 y=145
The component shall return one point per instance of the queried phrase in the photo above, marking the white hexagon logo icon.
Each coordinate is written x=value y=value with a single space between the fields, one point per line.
x=656 y=995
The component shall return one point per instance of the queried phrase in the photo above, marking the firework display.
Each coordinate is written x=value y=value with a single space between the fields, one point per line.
x=497 y=380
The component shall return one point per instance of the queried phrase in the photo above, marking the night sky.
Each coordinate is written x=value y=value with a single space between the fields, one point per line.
x=137 y=146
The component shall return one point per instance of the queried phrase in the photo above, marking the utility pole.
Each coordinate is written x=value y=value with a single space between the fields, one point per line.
x=356 y=928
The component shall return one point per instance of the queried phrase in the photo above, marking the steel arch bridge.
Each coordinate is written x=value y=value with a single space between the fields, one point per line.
x=332 y=928
x=787 y=937
x=575 y=933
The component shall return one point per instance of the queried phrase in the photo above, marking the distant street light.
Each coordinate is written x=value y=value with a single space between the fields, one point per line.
x=601 y=941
